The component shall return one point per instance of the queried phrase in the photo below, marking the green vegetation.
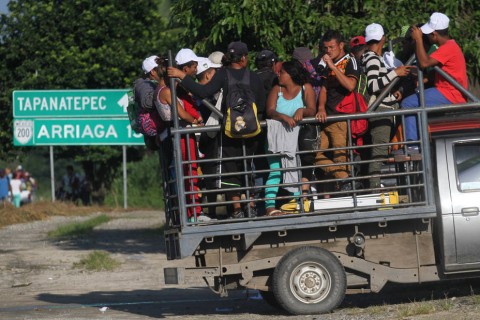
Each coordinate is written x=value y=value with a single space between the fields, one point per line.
x=78 y=44
x=76 y=229
x=283 y=25
x=144 y=185
x=97 y=261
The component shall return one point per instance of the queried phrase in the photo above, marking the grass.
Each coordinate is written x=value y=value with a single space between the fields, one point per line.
x=97 y=261
x=42 y=210
x=76 y=229
x=416 y=309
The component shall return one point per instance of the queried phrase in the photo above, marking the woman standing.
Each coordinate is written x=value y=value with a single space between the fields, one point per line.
x=288 y=103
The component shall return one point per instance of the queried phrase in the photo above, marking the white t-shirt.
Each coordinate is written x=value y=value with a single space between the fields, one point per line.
x=16 y=186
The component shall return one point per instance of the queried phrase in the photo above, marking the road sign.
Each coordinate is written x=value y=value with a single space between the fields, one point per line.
x=93 y=131
x=70 y=103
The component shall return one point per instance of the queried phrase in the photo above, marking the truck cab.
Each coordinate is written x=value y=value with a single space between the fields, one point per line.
x=457 y=159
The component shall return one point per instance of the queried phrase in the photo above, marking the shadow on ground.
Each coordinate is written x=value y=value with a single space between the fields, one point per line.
x=201 y=301
x=126 y=241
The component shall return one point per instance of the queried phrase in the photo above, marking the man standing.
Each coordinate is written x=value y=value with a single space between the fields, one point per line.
x=449 y=57
x=341 y=75
x=378 y=77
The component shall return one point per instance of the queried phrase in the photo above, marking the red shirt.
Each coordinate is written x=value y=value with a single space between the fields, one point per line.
x=452 y=61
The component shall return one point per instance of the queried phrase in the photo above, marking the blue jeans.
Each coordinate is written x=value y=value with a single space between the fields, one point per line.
x=433 y=97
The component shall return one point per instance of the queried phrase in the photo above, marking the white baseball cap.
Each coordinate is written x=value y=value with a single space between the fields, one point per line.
x=185 y=55
x=437 y=21
x=205 y=64
x=149 y=63
x=216 y=57
x=374 y=31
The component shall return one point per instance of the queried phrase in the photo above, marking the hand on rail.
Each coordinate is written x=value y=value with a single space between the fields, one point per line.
x=321 y=116
x=289 y=120
x=298 y=116
x=175 y=73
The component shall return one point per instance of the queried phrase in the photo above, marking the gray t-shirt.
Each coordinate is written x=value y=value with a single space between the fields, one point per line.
x=144 y=92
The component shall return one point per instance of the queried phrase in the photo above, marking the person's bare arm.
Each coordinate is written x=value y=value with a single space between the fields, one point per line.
x=347 y=82
x=423 y=59
x=321 y=111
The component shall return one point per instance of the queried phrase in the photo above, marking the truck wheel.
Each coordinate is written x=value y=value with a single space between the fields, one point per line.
x=309 y=280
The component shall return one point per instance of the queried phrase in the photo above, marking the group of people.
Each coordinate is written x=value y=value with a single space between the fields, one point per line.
x=284 y=94
x=74 y=187
x=16 y=187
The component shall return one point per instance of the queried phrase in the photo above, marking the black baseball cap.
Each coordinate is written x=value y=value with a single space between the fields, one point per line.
x=237 y=48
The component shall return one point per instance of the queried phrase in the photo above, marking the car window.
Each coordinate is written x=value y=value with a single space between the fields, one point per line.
x=467 y=162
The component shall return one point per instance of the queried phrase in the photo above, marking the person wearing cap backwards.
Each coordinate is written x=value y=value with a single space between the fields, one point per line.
x=341 y=76
x=449 y=57
x=378 y=77
x=235 y=62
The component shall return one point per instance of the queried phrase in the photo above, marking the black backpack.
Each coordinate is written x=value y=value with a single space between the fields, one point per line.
x=241 y=119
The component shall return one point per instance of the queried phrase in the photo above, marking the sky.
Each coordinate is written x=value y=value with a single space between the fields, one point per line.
x=3 y=6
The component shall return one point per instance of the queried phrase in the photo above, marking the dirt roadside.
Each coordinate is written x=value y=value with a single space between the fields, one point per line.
x=38 y=281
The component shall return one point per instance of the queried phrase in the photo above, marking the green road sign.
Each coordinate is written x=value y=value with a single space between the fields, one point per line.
x=70 y=103
x=94 y=131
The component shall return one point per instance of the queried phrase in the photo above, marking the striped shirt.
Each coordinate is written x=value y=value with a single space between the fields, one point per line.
x=378 y=77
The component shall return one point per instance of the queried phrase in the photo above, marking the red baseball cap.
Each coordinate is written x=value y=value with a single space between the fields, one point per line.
x=357 y=41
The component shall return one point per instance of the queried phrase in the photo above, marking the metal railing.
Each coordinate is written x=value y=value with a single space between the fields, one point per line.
x=406 y=178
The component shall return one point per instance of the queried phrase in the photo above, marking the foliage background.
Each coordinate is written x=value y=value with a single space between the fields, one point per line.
x=283 y=25
x=83 y=44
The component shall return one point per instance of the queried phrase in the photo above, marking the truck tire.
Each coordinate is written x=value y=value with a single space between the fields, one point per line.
x=309 y=280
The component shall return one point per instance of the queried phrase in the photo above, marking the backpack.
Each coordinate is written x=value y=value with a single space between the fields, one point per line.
x=133 y=111
x=362 y=84
x=241 y=119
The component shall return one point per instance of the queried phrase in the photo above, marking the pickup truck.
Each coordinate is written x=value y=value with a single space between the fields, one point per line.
x=420 y=226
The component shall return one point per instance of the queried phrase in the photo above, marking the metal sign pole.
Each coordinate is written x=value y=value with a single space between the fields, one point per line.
x=52 y=174
x=124 y=149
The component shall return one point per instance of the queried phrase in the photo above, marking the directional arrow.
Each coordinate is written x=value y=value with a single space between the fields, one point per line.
x=123 y=102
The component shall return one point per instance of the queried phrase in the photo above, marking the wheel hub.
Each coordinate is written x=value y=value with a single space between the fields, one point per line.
x=310 y=282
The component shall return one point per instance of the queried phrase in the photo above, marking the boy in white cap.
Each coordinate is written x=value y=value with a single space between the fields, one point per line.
x=449 y=57
x=144 y=89
x=379 y=77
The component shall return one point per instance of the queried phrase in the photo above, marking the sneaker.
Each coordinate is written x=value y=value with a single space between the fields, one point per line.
x=238 y=214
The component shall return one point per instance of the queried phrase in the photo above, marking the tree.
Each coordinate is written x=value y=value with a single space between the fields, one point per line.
x=282 y=25
x=78 y=44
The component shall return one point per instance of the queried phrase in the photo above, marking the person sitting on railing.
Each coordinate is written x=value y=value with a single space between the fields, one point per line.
x=378 y=77
x=288 y=103
x=449 y=57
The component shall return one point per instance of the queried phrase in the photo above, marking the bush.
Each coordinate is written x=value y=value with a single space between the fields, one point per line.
x=144 y=185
